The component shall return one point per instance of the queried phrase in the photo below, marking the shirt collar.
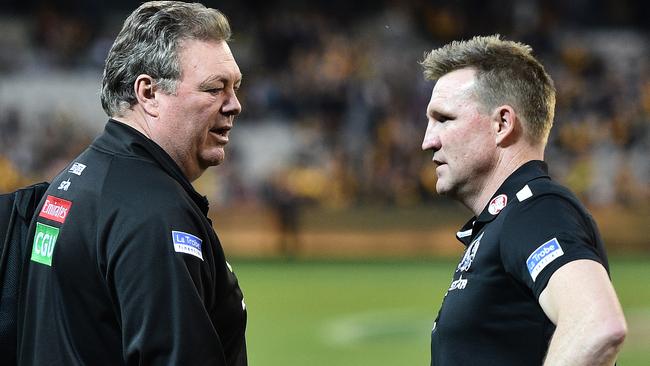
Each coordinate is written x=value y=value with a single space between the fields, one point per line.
x=124 y=139
x=506 y=194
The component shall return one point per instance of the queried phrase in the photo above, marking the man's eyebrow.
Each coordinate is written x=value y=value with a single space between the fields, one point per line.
x=207 y=82
x=436 y=114
x=219 y=78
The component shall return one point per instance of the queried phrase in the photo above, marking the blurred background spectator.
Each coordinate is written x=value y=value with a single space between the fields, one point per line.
x=333 y=95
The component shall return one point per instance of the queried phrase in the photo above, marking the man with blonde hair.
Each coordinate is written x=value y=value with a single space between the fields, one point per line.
x=533 y=285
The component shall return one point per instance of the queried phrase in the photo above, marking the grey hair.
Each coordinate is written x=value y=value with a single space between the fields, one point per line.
x=149 y=43
x=506 y=73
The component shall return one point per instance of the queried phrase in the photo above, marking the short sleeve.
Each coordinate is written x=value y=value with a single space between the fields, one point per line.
x=541 y=235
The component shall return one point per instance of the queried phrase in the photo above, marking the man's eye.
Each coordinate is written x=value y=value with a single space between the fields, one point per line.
x=213 y=90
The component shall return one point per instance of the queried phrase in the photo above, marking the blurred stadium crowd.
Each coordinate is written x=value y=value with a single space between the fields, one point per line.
x=333 y=95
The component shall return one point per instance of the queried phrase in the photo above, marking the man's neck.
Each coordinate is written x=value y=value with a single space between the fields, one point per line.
x=505 y=166
x=135 y=118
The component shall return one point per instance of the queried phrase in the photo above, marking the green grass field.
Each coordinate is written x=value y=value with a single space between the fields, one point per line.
x=378 y=313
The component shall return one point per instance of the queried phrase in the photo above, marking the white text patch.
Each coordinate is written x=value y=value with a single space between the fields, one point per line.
x=187 y=243
x=543 y=256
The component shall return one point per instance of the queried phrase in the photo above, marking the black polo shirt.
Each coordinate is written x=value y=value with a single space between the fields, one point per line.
x=124 y=267
x=490 y=314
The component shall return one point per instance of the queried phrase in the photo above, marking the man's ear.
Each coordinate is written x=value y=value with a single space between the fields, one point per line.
x=507 y=125
x=145 y=92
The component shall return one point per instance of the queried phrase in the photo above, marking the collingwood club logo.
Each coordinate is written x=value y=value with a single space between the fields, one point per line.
x=465 y=264
x=470 y=253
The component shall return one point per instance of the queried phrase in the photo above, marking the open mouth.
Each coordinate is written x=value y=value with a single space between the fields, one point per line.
x=221 y=133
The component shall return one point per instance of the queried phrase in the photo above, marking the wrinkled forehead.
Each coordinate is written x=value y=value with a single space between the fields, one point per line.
x=198 y=56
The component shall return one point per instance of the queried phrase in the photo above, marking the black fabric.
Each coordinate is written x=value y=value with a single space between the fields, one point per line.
x=119 y=283
x=490 y=314
x=16 y=211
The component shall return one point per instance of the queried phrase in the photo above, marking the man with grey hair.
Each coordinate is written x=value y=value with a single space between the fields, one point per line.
x=533 y=285
x=123 y=266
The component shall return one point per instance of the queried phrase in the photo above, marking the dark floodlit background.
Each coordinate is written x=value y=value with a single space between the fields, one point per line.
x=324 y=170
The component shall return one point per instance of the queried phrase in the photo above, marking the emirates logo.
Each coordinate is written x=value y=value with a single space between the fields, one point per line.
x=55 y=209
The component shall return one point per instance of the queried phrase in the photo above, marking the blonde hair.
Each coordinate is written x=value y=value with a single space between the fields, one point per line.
x=506 y=73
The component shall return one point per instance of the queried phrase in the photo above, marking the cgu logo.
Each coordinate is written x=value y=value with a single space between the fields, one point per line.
x=55 y=209
x=44 y=242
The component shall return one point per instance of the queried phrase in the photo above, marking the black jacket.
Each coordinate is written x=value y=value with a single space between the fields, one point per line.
x=16 y=211
x=125 y=267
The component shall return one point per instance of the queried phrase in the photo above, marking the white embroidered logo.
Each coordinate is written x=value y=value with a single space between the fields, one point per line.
x=469 y=255
x=77 y=168
x=64 y=185
x=465 y=264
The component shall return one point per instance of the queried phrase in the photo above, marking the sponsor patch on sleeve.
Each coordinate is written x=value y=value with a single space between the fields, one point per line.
x=543 y=256
x=55 y=209
x=43 y=245
x=187 y=243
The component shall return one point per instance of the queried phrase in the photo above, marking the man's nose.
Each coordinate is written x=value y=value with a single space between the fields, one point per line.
x=431 y=140
x=231 y=106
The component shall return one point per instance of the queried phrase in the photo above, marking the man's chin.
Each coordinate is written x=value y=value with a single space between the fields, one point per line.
x=213 y=160
x=441 y=189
